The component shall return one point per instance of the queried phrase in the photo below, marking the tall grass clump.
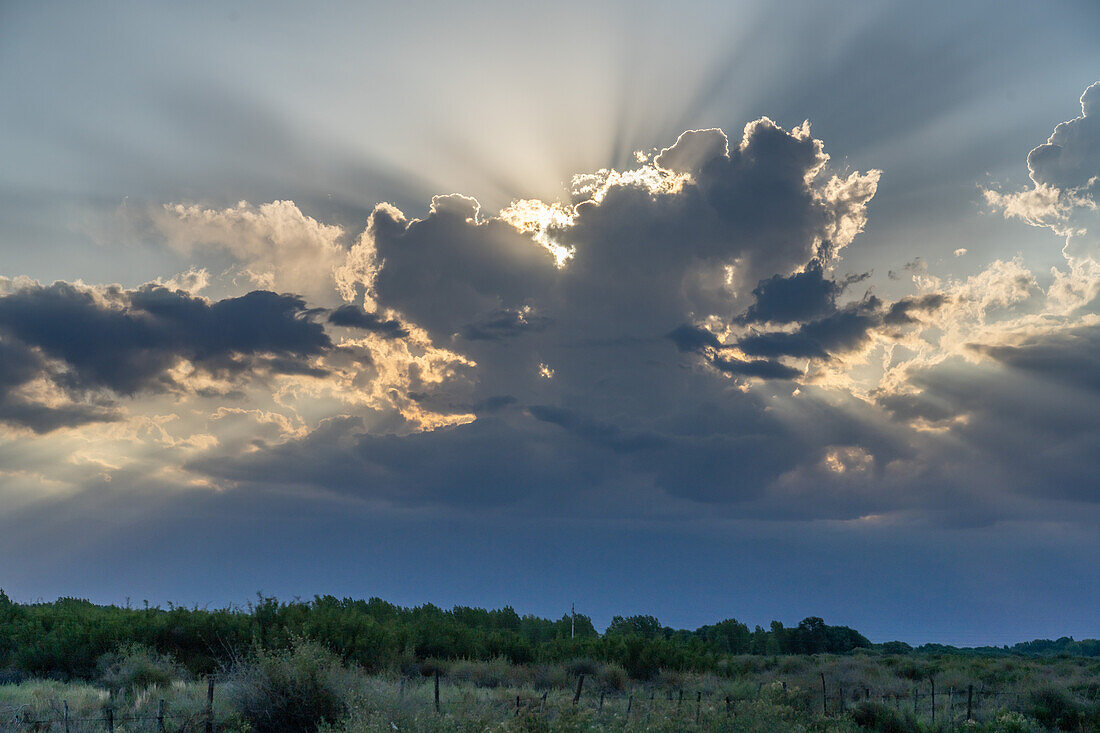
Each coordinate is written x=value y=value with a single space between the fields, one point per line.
x=137 y=667
x=296 y=689
x=882 y=718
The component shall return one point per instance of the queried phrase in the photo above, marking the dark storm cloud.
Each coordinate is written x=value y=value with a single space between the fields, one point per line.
x=760 y=368
x=484 y=463
x=901 y=312
x=447 y=271
x=694 y=339
x=847 y=330
x=18 y=366
x=1069 y=357
x=799 y=297
x=1030 y=427
x=126 y=341
x=353 y=316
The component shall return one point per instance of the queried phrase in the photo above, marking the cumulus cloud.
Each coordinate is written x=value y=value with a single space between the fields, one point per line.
x=83 y=342
x=680 y=330
x=1065 y=175
x=273 y=246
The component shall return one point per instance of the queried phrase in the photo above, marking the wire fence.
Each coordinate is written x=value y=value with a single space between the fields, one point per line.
x=953 y=705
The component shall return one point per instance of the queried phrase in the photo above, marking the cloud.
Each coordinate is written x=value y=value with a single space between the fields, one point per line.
x=1065 y=175
x=84 y=340
x=798 y=297
x=273 y=246
x=352 y=316
x=678 y=331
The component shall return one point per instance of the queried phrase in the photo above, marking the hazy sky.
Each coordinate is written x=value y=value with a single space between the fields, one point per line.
x=702 y=310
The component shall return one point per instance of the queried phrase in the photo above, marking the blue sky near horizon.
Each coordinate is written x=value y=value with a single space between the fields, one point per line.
x=702 y=311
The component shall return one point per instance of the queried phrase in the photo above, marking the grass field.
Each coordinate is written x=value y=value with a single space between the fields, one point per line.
x=862 y=691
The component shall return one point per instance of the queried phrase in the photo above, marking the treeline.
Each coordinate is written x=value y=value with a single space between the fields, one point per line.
x=1065 y=646
x=70 y=637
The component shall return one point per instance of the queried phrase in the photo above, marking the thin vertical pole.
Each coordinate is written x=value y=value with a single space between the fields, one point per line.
x=437 y=690
x=580 y=686
x=969 y=702
x=66 y=716
x=932 y=680
x=209 y=705
x=160 y=716
x=824 y=697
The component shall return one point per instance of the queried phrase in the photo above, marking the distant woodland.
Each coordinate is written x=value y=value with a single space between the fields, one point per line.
x=67 y=638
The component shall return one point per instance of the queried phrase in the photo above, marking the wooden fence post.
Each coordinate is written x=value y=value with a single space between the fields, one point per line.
x=601 y=699
x=932 y=680
x=915 y=711
x=66 y=716
x=110 y=718
x=680 y=700
x=580 y=686
x=969 y=702
x=437 y=690
x=629 y=703
x=824 y=697
x=698 y=705
x=160 y=716
x=729 y=708
x=210 y=704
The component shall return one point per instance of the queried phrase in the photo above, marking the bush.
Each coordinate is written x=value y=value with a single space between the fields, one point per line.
x=137 y=667
x=613 y=678
x=1054 y=708
x=293 y=690
x=877 y=717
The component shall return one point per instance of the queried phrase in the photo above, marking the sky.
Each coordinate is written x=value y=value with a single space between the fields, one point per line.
x=698 y=310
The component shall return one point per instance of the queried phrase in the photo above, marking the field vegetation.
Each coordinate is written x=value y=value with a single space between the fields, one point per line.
x=342 y=665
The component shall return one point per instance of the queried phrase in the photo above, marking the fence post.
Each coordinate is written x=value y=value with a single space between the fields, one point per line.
x=437 y=689
x=66 y=716
x=824 y=697
x=629 y=703
x=517 y=706
x=698 y=705
x=680 y=700
x=110 y=718
x=969 y=702
x=915 y=711
x=729 y=707
x=601 y=699
x=580 y=686
x=160 y=716
x=210 y=704
x=932 y=680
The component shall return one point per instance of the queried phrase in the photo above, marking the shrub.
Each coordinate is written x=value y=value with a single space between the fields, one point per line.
x=137 y=667
x=1054 y=708
x=881 y=718
x=583 y=666
x=613 y=678
x=292 y=690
